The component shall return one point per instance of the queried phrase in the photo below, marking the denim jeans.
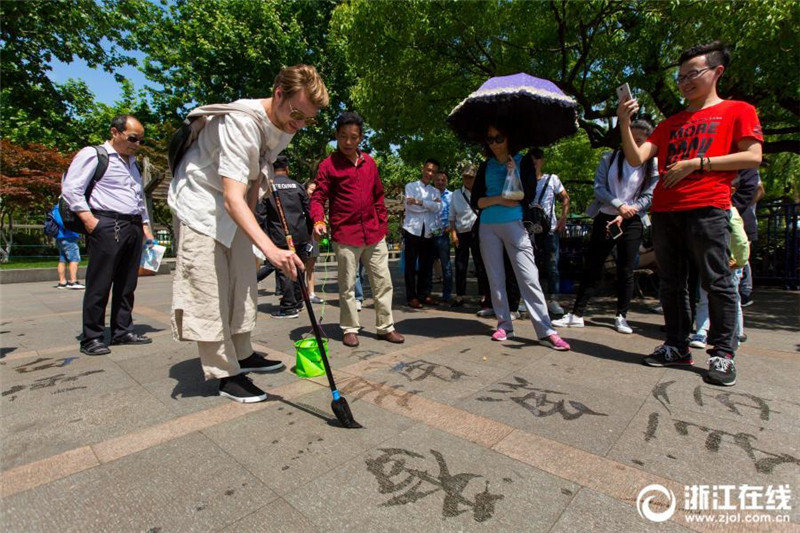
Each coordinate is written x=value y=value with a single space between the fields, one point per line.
x=702 y=310
x=442 y=251
x=360 y=282
x=699 y=236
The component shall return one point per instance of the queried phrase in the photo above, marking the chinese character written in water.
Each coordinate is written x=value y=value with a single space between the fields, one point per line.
x=395 y=475
x=539 y=402
x=420 y=369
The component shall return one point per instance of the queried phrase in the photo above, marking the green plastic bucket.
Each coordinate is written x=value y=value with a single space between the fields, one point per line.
x=309 y=361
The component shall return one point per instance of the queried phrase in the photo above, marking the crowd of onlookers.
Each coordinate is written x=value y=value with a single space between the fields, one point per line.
x=691 y=178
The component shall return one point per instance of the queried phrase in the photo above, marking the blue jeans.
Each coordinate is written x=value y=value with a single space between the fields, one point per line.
x=359 y=282
x=703 y=320
x=442 y=244
x=546 y=255
x=68 y=251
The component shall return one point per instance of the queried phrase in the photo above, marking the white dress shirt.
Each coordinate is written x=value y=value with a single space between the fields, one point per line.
x=461 y=212
x=426 y=215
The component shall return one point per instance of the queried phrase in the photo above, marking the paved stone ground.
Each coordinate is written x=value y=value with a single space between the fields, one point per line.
x=460 y=433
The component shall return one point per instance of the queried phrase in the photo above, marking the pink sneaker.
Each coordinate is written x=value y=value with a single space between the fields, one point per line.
x=558 y=343
x=500 y=334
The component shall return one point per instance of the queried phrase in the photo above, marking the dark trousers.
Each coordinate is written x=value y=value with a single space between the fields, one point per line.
x=422 y=249
x=600 y=245
x=700 y=236
x=468 y=242
x=291 y=297
x=113 y=268
x=441 y=250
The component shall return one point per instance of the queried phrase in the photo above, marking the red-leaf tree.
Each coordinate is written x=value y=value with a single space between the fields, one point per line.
x=30 y=181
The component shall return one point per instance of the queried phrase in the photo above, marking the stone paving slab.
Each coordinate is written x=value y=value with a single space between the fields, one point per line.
x=148 y=442
x=185 y=485
x=426 y=480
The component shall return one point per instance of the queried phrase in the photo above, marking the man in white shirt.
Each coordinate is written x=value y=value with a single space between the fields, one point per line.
x=420 y=226
x=214 y=195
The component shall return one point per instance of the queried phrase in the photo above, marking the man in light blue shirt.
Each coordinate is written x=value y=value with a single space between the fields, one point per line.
x=442 y=238
x=116 y=222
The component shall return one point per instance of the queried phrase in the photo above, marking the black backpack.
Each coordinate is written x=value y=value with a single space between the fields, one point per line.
x=538 y=221
x=194 y=123
x=68 y=217
x=51 y=228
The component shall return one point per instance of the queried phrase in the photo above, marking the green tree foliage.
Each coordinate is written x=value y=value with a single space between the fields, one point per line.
x=34 y=33
x=209 y=51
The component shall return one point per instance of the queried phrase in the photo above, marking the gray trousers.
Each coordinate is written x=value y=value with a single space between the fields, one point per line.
x=512 y=236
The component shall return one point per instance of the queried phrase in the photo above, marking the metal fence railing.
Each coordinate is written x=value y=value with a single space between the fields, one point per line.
x=775 y=257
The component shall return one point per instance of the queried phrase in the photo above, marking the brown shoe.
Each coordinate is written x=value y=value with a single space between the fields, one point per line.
x=430 y=301
x=415 y=304
x=392 y=337
x=350 y=339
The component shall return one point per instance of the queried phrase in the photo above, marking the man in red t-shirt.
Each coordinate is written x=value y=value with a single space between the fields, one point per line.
x=699 y=153
x=349 y=182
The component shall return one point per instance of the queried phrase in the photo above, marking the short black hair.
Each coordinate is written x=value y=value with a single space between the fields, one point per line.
x=642 y=124
x=716 y=53
x=350 y=117
x=434 y=161
x=446 y=175
x=536 y=153
x=281 y=163
x=120 y=122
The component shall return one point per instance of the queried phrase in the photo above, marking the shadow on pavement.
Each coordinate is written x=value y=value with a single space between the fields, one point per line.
x=190 y=381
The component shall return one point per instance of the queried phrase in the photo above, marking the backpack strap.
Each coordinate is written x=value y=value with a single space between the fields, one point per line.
x=544 y=190
x=213 y=110
x=99 y=170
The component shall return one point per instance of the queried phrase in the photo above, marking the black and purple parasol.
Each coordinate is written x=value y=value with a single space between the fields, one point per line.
x=534 y=111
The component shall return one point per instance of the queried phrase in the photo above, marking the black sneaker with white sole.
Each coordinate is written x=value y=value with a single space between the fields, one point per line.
x=289 y=313
x=666 y=355
x=721 y=371
x=240 y=389
x=256 y=363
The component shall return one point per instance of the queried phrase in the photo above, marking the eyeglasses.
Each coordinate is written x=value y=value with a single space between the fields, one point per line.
x=692 y=74
x=296 y=114
x=497 y=139
x=135 y=139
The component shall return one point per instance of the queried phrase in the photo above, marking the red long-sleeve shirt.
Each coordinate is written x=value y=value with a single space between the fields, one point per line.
x=358 y=215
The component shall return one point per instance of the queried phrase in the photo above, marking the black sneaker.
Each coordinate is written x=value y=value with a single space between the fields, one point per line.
x=721 y=371
x=747 y=301
x=240 y=389
x=62 y=286
x=291 y=313
x=256 y=363
x=666 y=355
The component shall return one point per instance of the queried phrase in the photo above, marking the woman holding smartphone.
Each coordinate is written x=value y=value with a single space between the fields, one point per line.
x=501 y=228
x=622 y=197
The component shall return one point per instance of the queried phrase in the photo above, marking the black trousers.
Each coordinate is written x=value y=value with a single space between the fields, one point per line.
x=468 y=242
x=114 y=257
x=600 y=245
x=422 y=249
x=700 y=237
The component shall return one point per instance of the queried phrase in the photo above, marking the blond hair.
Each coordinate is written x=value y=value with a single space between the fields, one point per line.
x=301 y=77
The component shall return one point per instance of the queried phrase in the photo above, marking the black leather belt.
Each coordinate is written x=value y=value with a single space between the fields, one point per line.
x=117 y=216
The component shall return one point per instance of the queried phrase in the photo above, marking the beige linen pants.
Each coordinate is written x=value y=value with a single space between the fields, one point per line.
x=376 y=264
x=214 y=299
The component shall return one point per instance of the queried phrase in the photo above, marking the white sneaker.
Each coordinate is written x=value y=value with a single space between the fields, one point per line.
x=621 y=325
x=515 y=315
x=358 y=305
x=554 y=309
x=485 y=312
x=569 y=321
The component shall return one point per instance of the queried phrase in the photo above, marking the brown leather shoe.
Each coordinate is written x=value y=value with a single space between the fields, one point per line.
x=350 y=339
x=392 y=337
x=416 y=304
x=430 y=301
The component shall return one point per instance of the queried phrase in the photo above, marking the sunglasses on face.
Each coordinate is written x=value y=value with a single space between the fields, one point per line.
x=497 y=139
x=298 y=115
x=135 y=139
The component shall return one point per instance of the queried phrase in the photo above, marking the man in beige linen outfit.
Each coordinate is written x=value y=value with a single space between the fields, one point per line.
x=213 y=196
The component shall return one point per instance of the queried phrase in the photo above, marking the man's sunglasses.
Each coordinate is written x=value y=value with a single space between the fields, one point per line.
x=497 y=139
x=298 y=115
x=135 y=139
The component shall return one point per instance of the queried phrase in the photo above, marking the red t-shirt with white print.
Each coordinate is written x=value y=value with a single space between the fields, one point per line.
x=709 y=132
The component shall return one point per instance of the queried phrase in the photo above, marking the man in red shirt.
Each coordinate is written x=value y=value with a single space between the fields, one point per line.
x=349 y=181
x=699 y=153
